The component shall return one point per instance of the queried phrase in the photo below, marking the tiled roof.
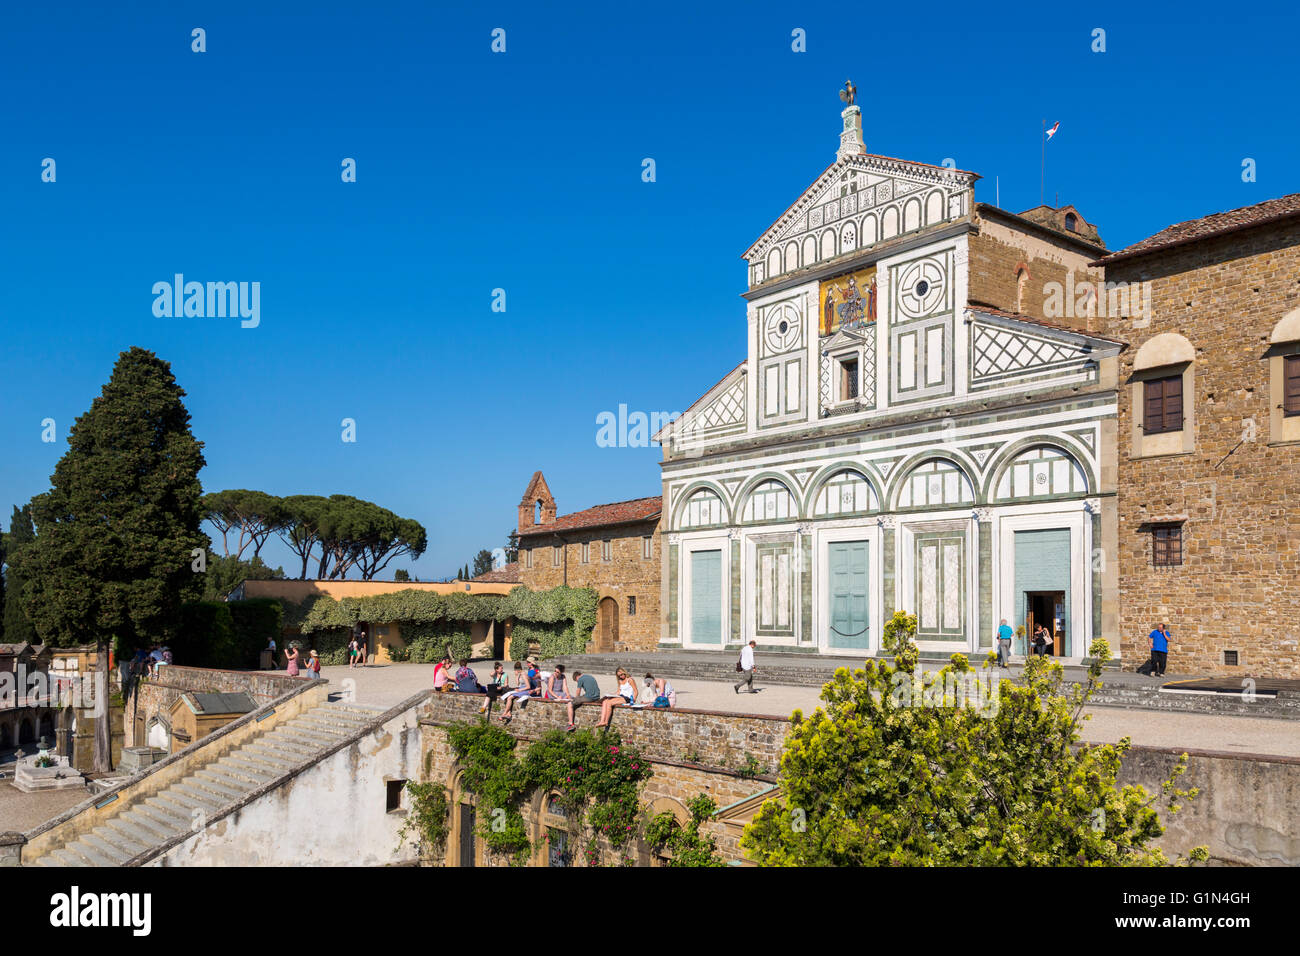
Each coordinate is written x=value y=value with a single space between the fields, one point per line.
x=989 y=310
x=1218 y=224
x=620 y=512
x=506 y=574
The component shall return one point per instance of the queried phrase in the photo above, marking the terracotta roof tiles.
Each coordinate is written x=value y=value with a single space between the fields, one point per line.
x=619 y=512
x=1216 y=224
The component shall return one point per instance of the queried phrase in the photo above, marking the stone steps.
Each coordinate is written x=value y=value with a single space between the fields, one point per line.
x=211 y=788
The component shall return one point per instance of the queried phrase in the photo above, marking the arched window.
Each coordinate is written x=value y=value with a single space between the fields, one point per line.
x=769 y=501
x=1043 y=472
x=1071 y=222
x=1162 y=396
x=1022 y=280
x=845 y=492
x=935 y=484
x=703 y=509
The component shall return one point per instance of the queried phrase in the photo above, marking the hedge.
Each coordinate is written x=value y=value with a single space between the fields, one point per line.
x=226 y=634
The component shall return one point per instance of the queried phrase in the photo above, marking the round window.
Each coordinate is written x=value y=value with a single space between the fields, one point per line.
x=783 y=327
x=922 y=288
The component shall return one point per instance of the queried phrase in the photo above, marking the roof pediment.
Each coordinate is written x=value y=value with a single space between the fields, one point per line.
x=854 y=185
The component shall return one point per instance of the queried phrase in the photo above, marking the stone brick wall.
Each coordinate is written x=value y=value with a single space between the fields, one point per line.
x=155 y=697
x=692 y=752
x=997 y=252
x=626 y=575
x=1239 y=585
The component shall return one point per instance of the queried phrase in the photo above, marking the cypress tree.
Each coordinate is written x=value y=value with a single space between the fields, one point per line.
x=117 y=533
x=17 y=628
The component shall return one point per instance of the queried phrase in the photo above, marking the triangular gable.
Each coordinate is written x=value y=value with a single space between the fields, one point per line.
x=720 y=409
x=875 y=181
x=1006 y=346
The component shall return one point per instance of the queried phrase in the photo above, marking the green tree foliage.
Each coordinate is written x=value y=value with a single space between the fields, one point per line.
x=512 y=546
x=252 y=515
x=345 y=533
x=401 y=574
x=17 y=628
x=895 y=771
x=482 y=563
x=300 y=531
x=685 y=844
x=227 y=572
x=117 y=531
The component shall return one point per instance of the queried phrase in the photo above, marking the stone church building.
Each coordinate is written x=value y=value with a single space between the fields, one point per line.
x=1209 y=441
x=613 y=548
x=910 y=428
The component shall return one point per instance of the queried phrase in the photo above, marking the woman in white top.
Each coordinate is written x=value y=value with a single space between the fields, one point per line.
x=626 y=697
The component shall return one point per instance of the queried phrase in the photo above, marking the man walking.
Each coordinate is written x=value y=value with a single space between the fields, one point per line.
x=1159 y=639
x=747 y=667
x=1004 y=643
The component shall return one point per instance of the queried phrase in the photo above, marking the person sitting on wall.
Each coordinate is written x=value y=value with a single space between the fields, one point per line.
x=466 y=679
x=522 y=692
x=496 y=686
x=555 y=688
x=588 y=693
x=442 y=675
x=625 y=697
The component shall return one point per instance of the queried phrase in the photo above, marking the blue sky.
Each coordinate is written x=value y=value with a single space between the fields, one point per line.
x=522 y=171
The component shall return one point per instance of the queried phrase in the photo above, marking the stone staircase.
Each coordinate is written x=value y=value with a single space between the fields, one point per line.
x=131 y=837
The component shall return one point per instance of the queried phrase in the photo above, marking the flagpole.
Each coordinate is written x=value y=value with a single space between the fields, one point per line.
x=1042 y=169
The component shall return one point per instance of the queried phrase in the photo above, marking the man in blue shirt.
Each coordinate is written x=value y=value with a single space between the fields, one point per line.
x=1159 y=639
x=1004 y=643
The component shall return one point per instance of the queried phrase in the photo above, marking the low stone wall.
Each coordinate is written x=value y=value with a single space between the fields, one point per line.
x=1245 y=812
x=692 y=752
x=712 y=739
x=154 y=698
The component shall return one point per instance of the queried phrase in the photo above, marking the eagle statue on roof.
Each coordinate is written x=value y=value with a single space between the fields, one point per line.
x=849 y=92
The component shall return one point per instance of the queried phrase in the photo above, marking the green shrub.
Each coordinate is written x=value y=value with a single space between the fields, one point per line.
x=256 y=621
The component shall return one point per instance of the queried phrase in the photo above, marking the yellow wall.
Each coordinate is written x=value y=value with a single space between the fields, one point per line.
x=299 y=591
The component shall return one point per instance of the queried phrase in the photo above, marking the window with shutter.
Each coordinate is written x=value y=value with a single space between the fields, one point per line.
x=1163 y=405
x=1291 y=385
x=1167 y=546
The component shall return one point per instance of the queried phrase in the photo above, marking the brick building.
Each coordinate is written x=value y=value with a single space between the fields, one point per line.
x=613 y=548
x=1209 y=441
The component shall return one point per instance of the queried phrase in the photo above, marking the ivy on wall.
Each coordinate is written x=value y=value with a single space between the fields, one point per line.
x=597 y=781
x=557 y=621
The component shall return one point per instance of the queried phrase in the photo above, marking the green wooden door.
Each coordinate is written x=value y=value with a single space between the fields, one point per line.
x=847 y=567
x=706 y=597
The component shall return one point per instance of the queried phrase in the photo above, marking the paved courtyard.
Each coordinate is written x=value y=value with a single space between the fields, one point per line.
x=24 y=811
x=389 y=684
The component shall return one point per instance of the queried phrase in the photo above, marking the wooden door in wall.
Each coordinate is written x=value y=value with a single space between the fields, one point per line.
x=466 y=835
x=847 y=567
x=607 y=630
x=706 y=597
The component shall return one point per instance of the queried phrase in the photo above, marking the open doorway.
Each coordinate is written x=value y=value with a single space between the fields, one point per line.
x=1048 y=609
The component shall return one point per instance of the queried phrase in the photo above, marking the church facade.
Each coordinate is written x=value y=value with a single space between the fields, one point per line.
x=912 y=428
